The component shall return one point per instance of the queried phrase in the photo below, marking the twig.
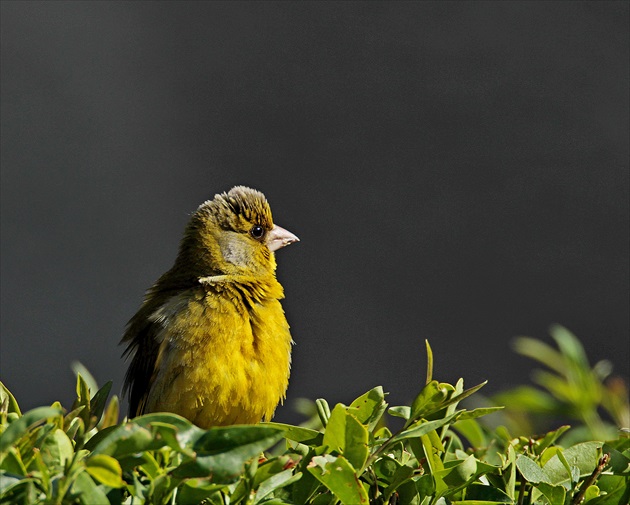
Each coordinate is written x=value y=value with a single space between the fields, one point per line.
x=521 y=491
x=603 y=462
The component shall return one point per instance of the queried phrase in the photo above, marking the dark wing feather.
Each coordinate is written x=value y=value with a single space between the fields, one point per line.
x=143 y=346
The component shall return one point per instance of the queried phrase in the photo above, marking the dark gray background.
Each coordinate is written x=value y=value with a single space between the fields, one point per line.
x=456 y=172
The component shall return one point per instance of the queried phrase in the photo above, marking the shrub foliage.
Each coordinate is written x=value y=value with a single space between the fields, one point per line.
x=441 y=454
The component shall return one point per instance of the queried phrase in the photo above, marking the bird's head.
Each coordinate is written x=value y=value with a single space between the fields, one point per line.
x=233 y=234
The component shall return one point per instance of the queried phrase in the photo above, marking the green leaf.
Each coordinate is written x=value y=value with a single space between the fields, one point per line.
x=12 y=463
x=98 y=436
x=400 y=411
x=83 y=390
x=550 y=438
x=482 y=493
x=548 y=453
x=591 y=492
x=370 y=407
x=161 y=489
x=385 y=467
x=14 y=489
x=424 y=427
x=429 y=376
x=471 y=429
x=429 y=399
x=472 y=502
x=145 y=461
x=465 y=394
x=530 y=400
x=402 y=474
x=8 y=403
x=338 y=475
x=541 y=352
x=619 y=462
x=170 y=435
x=57 y=449
x=97 y=403
x=79 y=369
x=196 y=491
x=569 y=346
x=88 y=491
x=323 y=410
x=530 y=470
x=614 y=490
x=186 y=432
x=269 y=468
x=459 y=473
x=20 y=427
x=126 y=439
x=223 y=451
x=571 y=470
x=555 y=494
x=105 y=470
x=111 y=413
x=347 y=436
x=299 y=433
x=584 y=457
x=275 y=482
x=475 y=413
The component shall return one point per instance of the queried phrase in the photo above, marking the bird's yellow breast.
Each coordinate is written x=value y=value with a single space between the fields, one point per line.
x=224 y=357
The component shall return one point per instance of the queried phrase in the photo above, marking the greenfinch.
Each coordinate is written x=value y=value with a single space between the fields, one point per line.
x=211 y=341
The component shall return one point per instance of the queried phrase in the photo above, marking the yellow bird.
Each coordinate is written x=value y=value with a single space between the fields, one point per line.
x=211 y=341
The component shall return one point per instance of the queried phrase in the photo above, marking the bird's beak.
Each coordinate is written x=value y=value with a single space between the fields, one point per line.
x=279 y=237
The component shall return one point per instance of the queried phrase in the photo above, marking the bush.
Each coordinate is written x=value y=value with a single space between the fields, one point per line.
x=441 y=454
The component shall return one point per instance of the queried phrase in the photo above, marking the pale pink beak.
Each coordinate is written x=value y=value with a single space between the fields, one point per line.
x=279 y=237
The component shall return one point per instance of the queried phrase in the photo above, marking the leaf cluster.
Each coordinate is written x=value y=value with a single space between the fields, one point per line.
x=441 y=454
x=567 y=388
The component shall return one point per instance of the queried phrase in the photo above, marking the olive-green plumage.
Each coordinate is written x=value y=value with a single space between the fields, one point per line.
x=211 y=341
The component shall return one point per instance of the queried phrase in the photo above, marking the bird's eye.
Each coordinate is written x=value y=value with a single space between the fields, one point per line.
x=257 y=231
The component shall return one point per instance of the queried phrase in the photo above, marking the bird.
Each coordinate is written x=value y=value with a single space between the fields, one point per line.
x=211 y=341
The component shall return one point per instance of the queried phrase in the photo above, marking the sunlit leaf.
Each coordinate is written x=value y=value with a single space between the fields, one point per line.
x=429 y=375
x=223 y=451
x=370 y=407
x=475 y=413
x=299 y=433
x=423 y=428
x=111 y=413
x=338 y=475
x=79 y=369
x=550 y=438
x=531 y=471
x=8 y=403
x=126 y=439
x=347 y=436
x=429 y=399
x=400 y=411
x=105 y=470
x=584 y=457
x=19 y=427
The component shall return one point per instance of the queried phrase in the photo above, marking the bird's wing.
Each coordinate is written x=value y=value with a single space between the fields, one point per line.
x=142 y=337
